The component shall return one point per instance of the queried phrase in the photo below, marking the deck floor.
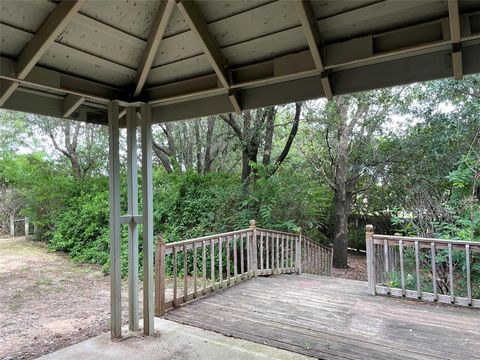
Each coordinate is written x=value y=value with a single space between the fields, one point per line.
x=331 y=318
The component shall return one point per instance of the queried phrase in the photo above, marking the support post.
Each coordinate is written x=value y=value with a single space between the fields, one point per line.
x=27 y=226
x=160 y=277
x=132 y=184
x=35 y=229
x=147 y=190
x=12 y=225
x=115 y=243
x=253 y=248
x=371 y=271
x=298 y=253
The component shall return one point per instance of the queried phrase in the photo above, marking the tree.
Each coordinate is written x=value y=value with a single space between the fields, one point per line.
x=348 y=157
x=254 y=129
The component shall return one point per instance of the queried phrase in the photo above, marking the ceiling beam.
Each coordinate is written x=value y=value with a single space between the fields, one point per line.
x=455 y=36
x=310 y=29
x=43 y=38
x=198 y=25
x=156 y=34
x=71 y=103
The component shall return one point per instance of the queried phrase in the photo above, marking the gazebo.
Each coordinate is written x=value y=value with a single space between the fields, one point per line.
x=133 y=63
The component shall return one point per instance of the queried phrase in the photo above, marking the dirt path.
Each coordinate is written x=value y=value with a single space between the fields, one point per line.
x=47 y=302
x=357 y=268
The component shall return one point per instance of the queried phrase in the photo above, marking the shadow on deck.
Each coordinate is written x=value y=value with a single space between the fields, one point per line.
x=330 y=318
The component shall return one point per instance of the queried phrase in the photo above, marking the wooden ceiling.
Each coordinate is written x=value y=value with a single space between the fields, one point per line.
x=196 y=58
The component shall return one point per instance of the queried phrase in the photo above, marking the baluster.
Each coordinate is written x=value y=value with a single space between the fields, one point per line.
x=450 y=273
x=434 y=270
x=195 y=292
x=287 y=251
x=386 y=254
x=204 y=267
x=174 y=255
x=267 y=253
x=469 y=279
x=235 y=271
x=417 y=270
x=402 y=270
x=212 y=263
x=277 y=254
x=261 y=251
x=292 y=258
x=249 y=255
x=242 y=258
x=185 y=273
x=220 y=262
x=227 y=245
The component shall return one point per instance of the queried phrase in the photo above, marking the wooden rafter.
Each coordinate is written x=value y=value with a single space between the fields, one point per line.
x=71 y=103
x=455 y=36
x=309 y=25
x=156 y=34
x=44 y=37
x=198 y=25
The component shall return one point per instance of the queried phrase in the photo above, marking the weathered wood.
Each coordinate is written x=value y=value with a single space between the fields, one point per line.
x=267 y=250
x=434 y=271
x=469 y=278
x=261 y=249
x=185 y=271
x=371 y=266
x=277 y=254
x=204 y=267
x=227 y=251
x=450 y=273
x=160 y=278
x=195 y=285
x=174 y=265
x=212 y=263
x=235 y=265
x=242 y=258
x=417 y=270
x=402 y=269
x=220 y=262
x=322 y=307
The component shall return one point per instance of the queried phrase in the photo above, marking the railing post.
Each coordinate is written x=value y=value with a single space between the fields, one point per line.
x=160 y=277
x=253 y=248
x=27 y=226
x=370 y=259
x=298 y=253
x=12 y=225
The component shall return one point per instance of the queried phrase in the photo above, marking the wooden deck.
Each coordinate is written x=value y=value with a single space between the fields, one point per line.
x=335 y=319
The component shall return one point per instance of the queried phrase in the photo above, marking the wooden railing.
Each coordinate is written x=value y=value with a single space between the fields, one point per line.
x=438 y=270
x=203 y=265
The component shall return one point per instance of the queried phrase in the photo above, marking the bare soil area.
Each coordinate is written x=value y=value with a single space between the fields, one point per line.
x=357 y=268
x=47 y=301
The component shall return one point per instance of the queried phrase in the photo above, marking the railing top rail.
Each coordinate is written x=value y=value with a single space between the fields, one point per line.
x=208 y=237
x=278 y=232
x=421 y=239
x=316 y=243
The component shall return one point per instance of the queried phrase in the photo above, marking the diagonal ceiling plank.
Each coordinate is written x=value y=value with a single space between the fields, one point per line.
x=71 y=103
x=310 y=29
x=156 y=34
x=455 y=36
x=43 y=38
x=198 y=25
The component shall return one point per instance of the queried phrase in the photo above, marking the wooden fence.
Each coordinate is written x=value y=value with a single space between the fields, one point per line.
x=203 y=265
x=438 y=270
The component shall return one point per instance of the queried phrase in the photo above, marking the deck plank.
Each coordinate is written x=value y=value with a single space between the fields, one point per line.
x=331 y=318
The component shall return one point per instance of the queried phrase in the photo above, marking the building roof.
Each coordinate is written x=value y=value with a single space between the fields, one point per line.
x=189 y=59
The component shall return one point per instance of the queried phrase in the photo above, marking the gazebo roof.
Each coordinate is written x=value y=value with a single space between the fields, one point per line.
x=188 y=59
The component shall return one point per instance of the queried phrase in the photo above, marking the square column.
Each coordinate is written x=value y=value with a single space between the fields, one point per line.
x=115 y=236
x=147 y=192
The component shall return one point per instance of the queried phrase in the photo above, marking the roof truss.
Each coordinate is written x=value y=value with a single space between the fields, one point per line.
x=36 y=47
x=455 y=36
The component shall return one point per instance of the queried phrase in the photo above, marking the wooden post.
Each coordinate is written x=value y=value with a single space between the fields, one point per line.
x=160 y=277
x=12 y=225
x=27 y=226
x=35 y=229
x=147 y=190
x=371 y=273
x=115 y=237
x=253 y=248
x=298 y=253
x=132 y=185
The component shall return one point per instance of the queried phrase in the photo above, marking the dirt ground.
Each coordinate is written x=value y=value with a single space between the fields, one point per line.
x=47 y=301
x=357 y=268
